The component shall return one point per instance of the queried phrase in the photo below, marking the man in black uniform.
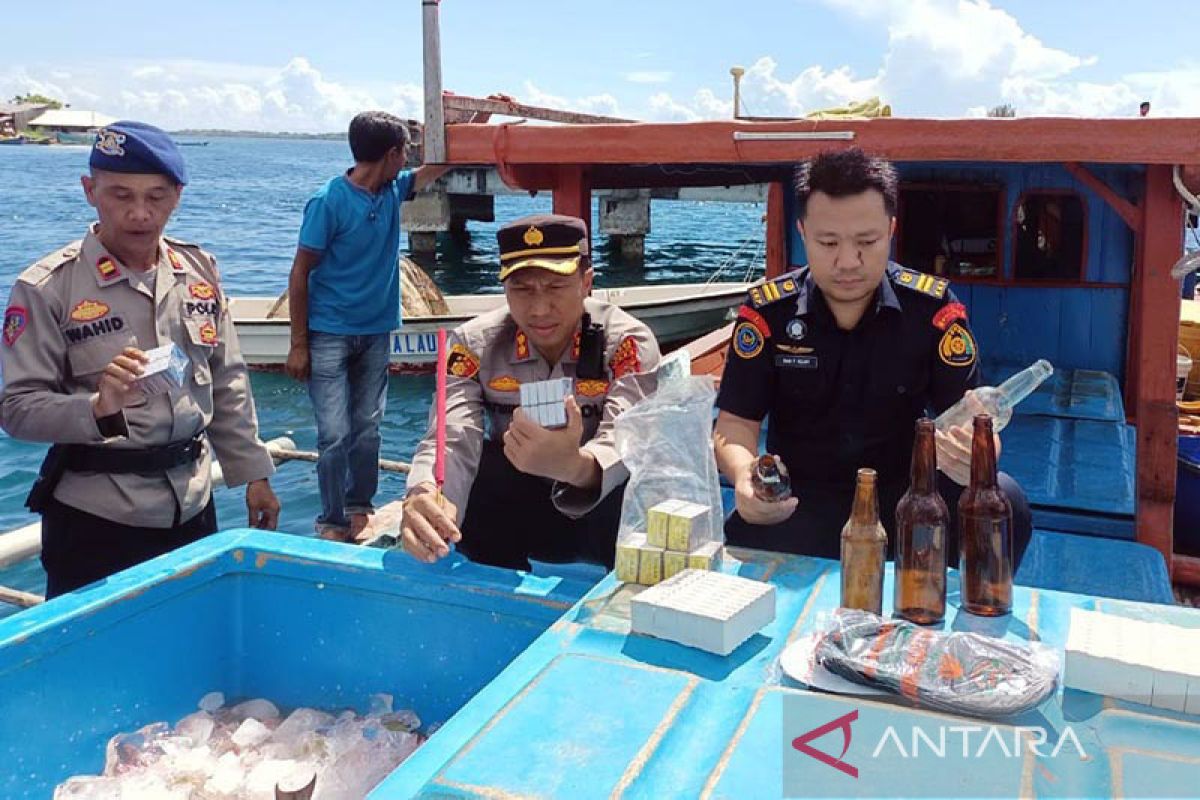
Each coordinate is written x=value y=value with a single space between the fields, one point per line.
x=844 y=356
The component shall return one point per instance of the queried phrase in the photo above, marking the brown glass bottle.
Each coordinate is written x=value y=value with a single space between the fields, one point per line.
x=922 y=521
x=864 y=549
x=985 y=531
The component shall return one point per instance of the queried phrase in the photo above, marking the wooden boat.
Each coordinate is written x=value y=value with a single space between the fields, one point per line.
x=675 y=312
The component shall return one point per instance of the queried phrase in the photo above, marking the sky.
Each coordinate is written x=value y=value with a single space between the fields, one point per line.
x=309 y=66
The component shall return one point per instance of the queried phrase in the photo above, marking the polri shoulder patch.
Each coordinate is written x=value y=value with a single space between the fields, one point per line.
x=920 y=282
x=461 y=362
x=774 y=290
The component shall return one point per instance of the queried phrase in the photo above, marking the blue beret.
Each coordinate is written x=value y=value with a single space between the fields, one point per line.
x=127 y=146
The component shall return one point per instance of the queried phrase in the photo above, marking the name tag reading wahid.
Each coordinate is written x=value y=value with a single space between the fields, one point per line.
x=167 y=370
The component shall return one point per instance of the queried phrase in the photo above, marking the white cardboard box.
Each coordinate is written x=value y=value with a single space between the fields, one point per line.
x=708 y=610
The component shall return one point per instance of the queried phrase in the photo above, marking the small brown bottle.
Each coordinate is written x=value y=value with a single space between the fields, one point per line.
x=985 y=531
x=770 y=479
x=864 y=549
x=922 y=521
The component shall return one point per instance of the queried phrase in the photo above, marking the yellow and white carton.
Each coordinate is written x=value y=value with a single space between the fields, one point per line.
x=707 y=556
x=687 y=523
x=650 y=565
x=658 y=522
x=628 y=557
x=673 y=562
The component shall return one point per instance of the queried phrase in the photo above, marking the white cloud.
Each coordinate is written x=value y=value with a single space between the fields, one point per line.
x=196 y=94
x=602 y=104
x=649 y=76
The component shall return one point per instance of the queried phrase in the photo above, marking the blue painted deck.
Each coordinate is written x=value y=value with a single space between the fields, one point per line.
x=591 y=711
x=552 y=699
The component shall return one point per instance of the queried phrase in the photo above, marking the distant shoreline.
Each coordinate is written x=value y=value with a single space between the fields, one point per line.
x=221 y=133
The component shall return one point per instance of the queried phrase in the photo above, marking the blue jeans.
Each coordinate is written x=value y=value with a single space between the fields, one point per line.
x=348 y=387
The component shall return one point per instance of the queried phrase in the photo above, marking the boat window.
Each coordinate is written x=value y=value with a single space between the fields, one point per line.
x=1048 y=237
x=950 y=230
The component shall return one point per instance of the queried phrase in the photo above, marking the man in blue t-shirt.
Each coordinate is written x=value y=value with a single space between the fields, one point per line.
x=344 y=299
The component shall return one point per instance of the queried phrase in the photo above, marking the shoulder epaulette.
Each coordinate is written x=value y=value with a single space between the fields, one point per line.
x=920 y=282
x=179 y=242
x=45 y=267
x=774 y=290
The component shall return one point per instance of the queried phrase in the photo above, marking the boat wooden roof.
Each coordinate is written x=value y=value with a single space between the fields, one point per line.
x=1028 y=139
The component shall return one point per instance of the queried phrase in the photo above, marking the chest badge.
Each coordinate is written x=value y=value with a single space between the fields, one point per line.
x=591 y=388
x=504 y=383
x=796 y=329
x=202 y=291
x=208 y=333
x=88 y=310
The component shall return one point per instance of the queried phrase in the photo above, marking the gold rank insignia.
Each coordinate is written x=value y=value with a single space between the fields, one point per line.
x=773 y=291
x=107 y=269
x=925 y=284
x=534 y=237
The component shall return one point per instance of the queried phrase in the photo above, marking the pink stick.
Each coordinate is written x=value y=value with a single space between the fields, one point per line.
x=439 y=464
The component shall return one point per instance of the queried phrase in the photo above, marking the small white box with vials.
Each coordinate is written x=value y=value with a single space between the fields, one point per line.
x=708 y=610
x=543 y=401
x=167 y=370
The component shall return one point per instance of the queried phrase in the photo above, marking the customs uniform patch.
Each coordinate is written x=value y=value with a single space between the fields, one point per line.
x=461 y=362
x=957 y=347
x=747 y=340
x=796 y=329
x=756 y=319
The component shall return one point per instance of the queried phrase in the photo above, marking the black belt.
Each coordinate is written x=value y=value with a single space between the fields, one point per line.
x=88 y=458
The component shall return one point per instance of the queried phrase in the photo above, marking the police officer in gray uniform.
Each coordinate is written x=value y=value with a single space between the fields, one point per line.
x=513 y=488
x=128 y=476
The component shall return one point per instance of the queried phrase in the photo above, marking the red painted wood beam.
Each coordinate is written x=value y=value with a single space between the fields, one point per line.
x=1186 y=570
x=1123 y=141
x=777 y=231
x=1125 y=209
x=1157 y=320
x=573 y=195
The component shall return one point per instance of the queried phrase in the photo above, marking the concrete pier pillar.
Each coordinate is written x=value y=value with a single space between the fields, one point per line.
x=625 y=218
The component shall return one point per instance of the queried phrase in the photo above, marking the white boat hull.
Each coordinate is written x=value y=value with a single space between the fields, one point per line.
x=675 y=312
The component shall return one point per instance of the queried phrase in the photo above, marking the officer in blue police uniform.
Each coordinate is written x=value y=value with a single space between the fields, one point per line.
x=843 y=356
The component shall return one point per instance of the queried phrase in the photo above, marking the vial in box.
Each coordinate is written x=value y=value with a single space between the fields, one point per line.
x=707 y=557
x=673 y=563
x=166 y=370
x=628 y=555
x=687 y=521
x=650 y=564
x=658 y=520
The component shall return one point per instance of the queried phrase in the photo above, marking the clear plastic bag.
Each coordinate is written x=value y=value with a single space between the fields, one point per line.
x=665 y=441
x=959 y=672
